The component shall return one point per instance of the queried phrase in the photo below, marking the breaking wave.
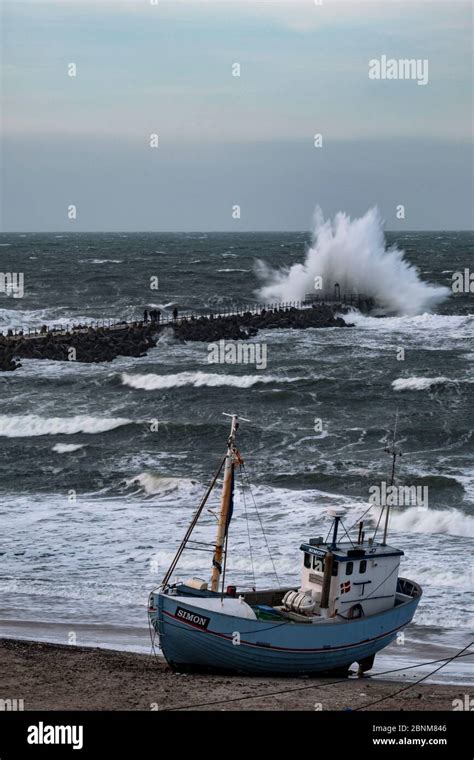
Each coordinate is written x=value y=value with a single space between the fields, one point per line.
x=12 y=426
x=234 y=270
x=67 y=448
x=16 y=319
x=153 y=485
x=455 y=324
x=154 y=382
x=419 y=383
x=352 y=253
x=100 y=261
x=450 y=522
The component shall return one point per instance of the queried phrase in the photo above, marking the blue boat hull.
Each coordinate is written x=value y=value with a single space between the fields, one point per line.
x=236 y=644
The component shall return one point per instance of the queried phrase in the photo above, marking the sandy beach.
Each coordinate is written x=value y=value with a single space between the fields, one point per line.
x=57 y=677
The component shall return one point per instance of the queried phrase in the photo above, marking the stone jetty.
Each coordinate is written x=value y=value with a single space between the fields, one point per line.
x=102 y=344
x=7 y=352
x=247 y=324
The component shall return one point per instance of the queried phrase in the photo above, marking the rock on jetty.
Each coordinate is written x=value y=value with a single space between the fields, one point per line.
x=247 y=324
x=7 y=352
x=88 y=344
x=103 y=344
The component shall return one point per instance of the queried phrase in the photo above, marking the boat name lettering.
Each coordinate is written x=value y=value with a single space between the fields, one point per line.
x=192 y=617
x=318 y=552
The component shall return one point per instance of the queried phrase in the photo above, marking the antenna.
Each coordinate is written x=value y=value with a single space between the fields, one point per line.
x=244 y=419
x=234 y=425
x=394 y=452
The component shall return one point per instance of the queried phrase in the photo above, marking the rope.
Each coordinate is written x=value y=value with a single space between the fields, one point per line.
x=329 y=683
x=404 y=688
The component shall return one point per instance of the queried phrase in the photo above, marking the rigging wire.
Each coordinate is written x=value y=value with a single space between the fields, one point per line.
x=361 y=517
x=261 y=526
x=378 y=523
x=347 y=534
x=225 y=565
x=248 y=534
x=192 y=525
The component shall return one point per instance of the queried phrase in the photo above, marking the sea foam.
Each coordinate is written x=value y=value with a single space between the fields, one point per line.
x=451 y=522
x=152 y=382
x=67 y=448
x=12 y=426
x=419 y=383
x=353 y=253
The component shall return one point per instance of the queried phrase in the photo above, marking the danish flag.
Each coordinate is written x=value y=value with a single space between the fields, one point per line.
x=345 y=587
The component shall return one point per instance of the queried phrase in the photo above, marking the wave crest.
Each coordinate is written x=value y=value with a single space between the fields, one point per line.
x=13 y=426
x=419 y=383
x=451 y=522
x=152 y=382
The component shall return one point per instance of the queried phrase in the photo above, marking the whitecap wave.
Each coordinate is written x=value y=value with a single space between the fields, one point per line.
x=419 y=383
x=426 y=322
x=100 y=261
x=450 y=522
x=16 y=319
x=67 y=448
x=13 y=426
x=152 y=382
x=153 y=484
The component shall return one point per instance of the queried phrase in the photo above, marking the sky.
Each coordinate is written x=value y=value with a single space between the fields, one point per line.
x=166 y=68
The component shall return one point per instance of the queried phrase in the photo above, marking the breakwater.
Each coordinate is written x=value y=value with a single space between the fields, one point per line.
x=102 y=343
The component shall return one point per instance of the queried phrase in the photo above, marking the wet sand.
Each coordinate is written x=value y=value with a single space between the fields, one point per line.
x=57 y=677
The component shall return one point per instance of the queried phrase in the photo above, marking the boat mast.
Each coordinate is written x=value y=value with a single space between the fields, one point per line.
x=394 y=452
x=232 y=458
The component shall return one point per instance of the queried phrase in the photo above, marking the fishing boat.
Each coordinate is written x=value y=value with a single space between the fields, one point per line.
x=349 y=604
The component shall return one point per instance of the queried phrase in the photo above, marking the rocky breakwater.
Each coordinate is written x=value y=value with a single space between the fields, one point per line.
x=103 y=344
x=86 y=344
x=242 y=326
x=7 y=352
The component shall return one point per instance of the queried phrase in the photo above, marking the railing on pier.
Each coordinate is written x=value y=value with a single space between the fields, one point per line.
x=166 y=318
x=345 y=299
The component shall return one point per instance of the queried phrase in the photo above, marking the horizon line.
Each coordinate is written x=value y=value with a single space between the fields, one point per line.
x=201 y=232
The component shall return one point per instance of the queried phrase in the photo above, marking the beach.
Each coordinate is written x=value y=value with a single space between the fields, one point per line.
x=60 y=677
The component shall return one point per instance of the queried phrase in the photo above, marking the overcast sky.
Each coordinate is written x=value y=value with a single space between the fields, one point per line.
x=226 y=140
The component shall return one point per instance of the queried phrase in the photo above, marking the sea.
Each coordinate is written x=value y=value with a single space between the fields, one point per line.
x=102 y=465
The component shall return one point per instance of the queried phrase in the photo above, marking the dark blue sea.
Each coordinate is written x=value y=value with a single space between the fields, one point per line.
x=94 y=498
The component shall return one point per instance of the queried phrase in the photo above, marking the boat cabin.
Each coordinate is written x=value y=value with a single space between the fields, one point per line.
x=349 y=579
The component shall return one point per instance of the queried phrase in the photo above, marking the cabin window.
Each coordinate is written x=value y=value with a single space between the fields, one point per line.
x=349 y=568
x=318 y=564
x=307 y=560
x=363 y=566
x=335 y=567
